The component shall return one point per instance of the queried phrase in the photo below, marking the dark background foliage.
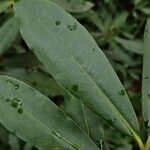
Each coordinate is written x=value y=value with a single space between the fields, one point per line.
x=116 y=25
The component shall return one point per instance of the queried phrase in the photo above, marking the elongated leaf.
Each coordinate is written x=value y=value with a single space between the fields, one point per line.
x=74 y=108
x=74 y=6
x=119 y=20
x=73 y=58
x=35 y=119
x=80 y=114
x=146 y=74
x=8 y=33
x=131 y=45
x=41 y=81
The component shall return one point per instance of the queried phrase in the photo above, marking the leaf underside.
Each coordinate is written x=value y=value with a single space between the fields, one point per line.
x=74 y=59
x=35 y=119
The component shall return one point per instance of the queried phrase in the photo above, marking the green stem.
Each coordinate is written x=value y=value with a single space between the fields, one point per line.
x=147 y=146
x=139 y=141
x=136 y=136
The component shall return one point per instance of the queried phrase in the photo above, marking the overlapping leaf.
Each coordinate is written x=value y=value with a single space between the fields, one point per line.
x=74 y=6
x=8 y=33
x=35 y=119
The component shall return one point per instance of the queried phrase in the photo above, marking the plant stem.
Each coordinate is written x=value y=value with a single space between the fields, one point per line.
x=140 y=143
x=136 y=136
x=147 y=146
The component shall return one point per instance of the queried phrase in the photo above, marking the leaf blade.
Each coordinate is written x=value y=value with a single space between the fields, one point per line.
x=71 y=65
x=41 y=123
x=74 y=6
x=8 y=33
x=146 y=74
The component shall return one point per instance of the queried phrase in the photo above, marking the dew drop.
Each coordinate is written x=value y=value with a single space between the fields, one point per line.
x=122 y=92
x=16 y=86
x=72 y=27
x=14 y=104
x=18 y=101
x=57 y=22
x=148 y=95
x=146 y=77
x=75 y=88
x=20 y=110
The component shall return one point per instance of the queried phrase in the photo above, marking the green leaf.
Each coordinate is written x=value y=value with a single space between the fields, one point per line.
x=4 y=5
x=146 y=75
x=117 y=53
x=119 y=20
x=8 y=33
x=74 y=6
x=130 y=45
x=35 y=119
x=84 y=118
x=74 y=108
x=40 y=81
x=73 y=58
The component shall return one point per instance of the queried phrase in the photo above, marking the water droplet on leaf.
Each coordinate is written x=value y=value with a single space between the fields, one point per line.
x=72 y=27
x=57 y=22
x=122 y=92
x=16 y=86
x=75 y=88
x=20 y=110
x=14 y=104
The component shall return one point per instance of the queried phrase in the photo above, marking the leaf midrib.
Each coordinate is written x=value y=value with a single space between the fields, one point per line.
x=51 y=131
